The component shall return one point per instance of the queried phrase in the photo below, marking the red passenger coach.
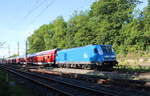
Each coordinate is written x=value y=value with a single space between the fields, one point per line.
x=45 y=57
x=17 y=60
x=30 y=58
x=22 y=59
x=40 y=58
x=49 y=57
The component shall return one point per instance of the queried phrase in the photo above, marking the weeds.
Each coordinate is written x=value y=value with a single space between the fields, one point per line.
x=7 y=90
x=132 y=69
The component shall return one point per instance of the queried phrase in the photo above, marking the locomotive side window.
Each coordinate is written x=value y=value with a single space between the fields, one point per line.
x=95 y=50
x=100 y=50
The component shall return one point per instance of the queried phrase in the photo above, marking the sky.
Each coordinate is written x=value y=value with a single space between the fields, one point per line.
x=19 y=18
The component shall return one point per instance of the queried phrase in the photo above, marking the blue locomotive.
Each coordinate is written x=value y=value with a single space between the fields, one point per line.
x=87 y=57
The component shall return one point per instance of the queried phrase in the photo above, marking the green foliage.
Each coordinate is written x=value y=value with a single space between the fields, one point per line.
x=107 y=22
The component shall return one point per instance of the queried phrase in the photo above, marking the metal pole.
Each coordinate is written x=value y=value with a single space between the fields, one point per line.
x=26 y=51
x=9 y=50
x=26 y=48
x=18 y=48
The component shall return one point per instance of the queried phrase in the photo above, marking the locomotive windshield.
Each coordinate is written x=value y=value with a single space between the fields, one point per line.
x=107 y=49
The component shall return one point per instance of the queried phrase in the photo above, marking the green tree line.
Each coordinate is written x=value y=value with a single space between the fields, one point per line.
x=114 y=22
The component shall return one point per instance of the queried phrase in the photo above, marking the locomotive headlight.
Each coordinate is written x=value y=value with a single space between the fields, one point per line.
x=107 y=56
x=113 y=56
x=110 y=56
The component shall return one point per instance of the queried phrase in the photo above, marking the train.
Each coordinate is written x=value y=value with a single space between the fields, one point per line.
x=84 y=57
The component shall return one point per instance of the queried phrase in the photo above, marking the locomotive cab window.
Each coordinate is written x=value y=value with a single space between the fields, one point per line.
x=107 y=49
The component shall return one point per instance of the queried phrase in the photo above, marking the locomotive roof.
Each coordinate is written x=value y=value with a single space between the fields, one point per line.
x=44 y=52
x=86 y=46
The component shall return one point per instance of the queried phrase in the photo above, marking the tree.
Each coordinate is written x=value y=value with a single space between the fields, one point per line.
x=48 y=36
x=107 y=18
x=78 y=30
x=36 y=40
x=146 y=19
x=59 y=29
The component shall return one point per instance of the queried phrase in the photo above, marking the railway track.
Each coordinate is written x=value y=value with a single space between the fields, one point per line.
x=61 y=87
x=106 y=78
x=71 y=87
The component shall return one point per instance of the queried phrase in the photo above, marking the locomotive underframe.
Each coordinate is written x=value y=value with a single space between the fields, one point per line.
x=92 y=65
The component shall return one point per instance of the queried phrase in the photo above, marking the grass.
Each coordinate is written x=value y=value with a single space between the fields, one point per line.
x=134 y=62
x=132 y=69
x=4 y=88
x=19 y=91
x=12 y=90
x=133 y=55
x=135 y=72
